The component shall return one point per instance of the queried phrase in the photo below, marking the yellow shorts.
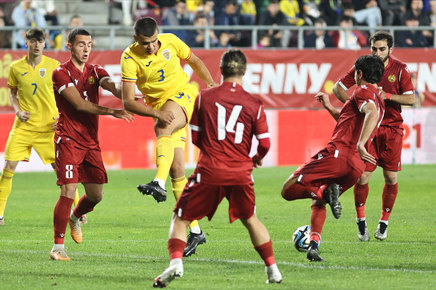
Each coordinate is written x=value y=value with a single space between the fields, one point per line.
x=21 y=142
x=185 y=98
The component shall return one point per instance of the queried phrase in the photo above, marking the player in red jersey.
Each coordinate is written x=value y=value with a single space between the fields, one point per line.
x=224 y=121
x=397 y=89
x=337 y=167
x=78 y=154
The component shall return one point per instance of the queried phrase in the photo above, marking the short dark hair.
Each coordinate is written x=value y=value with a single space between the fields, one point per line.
x=77 y=31
x=35 y=33
x=372 y=68
x=382 y=35
x=233 y=63
x=146 y=26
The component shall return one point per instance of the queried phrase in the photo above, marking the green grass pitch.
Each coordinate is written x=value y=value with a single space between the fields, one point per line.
x=125 y=242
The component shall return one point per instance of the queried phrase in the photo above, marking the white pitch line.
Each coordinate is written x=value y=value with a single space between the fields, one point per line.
x=309 y=265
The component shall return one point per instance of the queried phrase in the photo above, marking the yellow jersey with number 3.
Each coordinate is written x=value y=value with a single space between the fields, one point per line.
x=159 y=75
x=35 y=93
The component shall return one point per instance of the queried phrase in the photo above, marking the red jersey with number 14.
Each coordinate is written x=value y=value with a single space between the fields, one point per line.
x=80 y=126
x=395 y=80
x=226 y=118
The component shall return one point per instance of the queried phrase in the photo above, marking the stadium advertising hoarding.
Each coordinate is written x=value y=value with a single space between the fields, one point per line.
x=283 y=79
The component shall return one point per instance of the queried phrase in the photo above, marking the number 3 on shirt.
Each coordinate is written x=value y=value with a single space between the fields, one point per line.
x=162 y=77
x=231 y=123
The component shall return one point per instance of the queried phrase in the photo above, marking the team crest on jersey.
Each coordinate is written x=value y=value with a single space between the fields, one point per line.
x=392 y=78
x=42 y=72
x=91 y=80
x=166 y=54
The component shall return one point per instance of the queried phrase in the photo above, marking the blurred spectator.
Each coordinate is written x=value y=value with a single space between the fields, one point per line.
x=196 y=38
x=412 y=37
x=273 y=17
x=48 y=9
x=264 y=41
x=24 y=15
x=311 y=11
x=291 y=9
x=348 y=38
x=248 y=12
x=330 y=11
x=318 y=39
x=178 y=16
x=231 y=16
x=193 y=6
x=5 y=36
x=392 y=11
x=433 y=13
x=128 y=9
x=224 y=40
x=416 y=10
x=364 y=12
x=261 y=6
x=419 y=96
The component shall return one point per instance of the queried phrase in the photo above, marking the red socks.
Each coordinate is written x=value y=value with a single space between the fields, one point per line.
x=360 y=196
x=389 y=196
x=176 y=248
x=317 y=220
x=60 y=218
x=266 y=253
x=84 y=206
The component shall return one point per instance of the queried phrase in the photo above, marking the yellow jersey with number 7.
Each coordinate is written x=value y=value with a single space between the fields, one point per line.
x=35 y=93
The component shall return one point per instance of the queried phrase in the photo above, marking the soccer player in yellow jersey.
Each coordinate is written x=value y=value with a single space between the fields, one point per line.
x=32 y=97
x=153 y=64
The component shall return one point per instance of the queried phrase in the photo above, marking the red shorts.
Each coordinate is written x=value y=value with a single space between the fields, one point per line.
x=200 y=199
x=386 y=148
x=75 y=164
x=331 y=165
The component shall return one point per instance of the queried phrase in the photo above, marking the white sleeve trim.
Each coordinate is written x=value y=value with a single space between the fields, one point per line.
x=407 y=93
x=103 y=79
x=65 y=86
x=195 y=128
x=263 y=136
x=343 y=86
x=364 y=103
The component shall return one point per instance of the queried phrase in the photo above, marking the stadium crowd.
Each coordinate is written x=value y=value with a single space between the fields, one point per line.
x=293 y=13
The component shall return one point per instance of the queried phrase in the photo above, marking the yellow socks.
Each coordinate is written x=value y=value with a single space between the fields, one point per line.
x=178 y=186
x=5 y=188
x=164 y=156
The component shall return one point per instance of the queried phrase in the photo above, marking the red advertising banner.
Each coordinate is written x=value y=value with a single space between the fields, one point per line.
x=281 y=78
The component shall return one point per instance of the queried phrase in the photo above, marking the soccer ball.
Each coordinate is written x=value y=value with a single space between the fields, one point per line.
x=301 y=238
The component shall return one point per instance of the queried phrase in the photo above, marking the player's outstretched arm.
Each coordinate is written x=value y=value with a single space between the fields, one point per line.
x=369 y=124
x=108 y=84
x=72 y=95
x=201 y=70
x=340 y=93
x=324 y=99
x=23 y=116
x=405 y=99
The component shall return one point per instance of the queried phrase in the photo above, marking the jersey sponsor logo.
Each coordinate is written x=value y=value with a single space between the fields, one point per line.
x=24 y=74
x=166 y=54
x=91 y=80
x=127 y=57
x=392 y=78
x=148 y=64
x=42 y=72
x=320 y=156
